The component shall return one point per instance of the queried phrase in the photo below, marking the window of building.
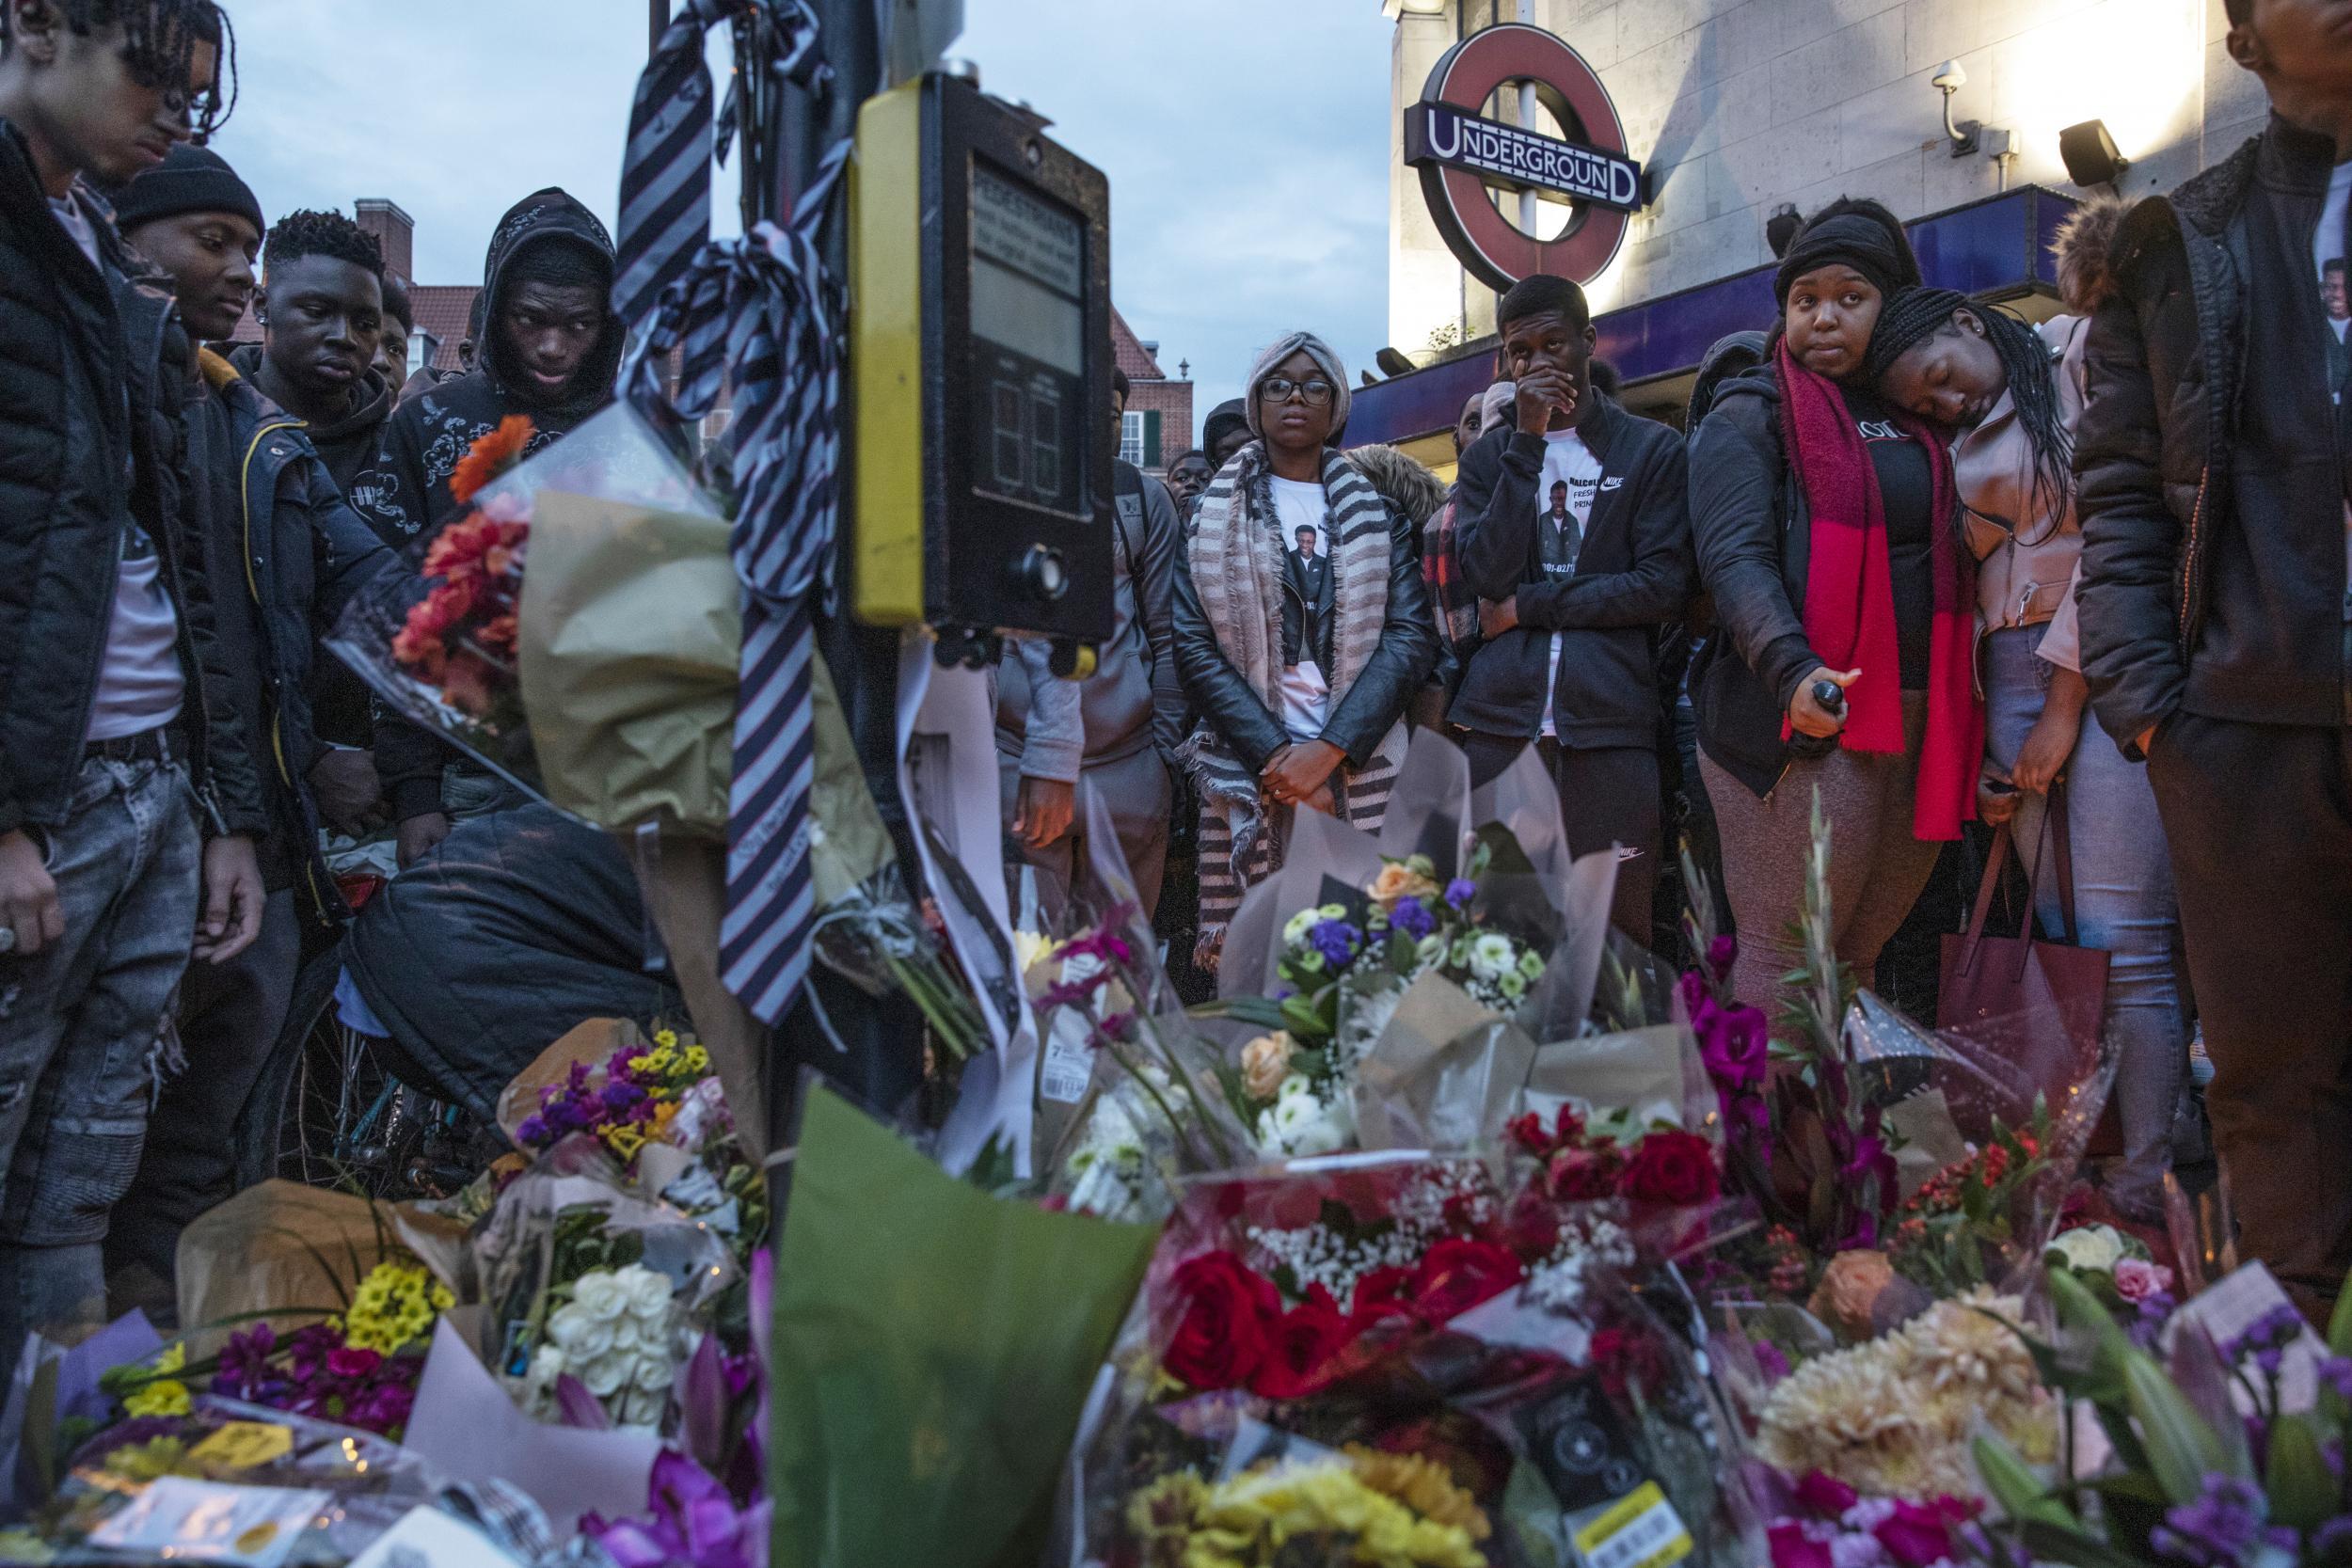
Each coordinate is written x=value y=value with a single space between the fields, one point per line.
x=1131 y=439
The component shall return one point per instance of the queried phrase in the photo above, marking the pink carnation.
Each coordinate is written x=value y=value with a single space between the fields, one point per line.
x=2136 y=1280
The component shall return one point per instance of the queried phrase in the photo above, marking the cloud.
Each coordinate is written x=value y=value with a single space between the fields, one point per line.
x=1246 y=140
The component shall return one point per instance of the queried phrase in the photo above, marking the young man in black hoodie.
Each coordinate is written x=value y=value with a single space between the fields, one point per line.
x=2214 y=462
x=285 y=554
x=1572 y=602
x=552 y=348
x=112 y=734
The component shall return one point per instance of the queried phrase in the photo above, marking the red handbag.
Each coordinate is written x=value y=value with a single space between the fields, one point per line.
x=2041 y=1004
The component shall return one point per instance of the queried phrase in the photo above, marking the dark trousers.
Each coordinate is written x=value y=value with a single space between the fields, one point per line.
x=1608 y=795
x=2259 y=818
x=230 y=1015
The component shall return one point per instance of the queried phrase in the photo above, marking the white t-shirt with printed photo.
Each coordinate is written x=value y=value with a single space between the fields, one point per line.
x=1563 y=507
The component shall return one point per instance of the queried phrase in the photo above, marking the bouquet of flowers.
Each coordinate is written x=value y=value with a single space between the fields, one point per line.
x=460 y=637
x=1442 y=1351
x=2213 y=1454
x=1827 y=1524
x=357 y=1367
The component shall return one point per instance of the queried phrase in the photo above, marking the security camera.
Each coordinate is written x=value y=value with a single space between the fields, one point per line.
x=1949 y=77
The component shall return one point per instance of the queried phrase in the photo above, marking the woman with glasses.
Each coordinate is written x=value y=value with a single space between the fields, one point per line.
x=1299 y=663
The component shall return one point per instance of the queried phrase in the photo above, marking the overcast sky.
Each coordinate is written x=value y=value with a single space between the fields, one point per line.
x=1246 y=140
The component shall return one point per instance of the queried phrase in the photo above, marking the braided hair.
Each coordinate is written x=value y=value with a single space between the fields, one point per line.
x=306 y=232
x=159 y=39
x=1915 y=315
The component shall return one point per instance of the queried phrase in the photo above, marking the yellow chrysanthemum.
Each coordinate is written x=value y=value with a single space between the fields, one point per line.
x=1421 y=1485
x=697 y=1060
x=1254 y=1516
x=640 y=1063
x=167 y=1396
x=394 y=1306
x=666 y=1038
x=625 y=1139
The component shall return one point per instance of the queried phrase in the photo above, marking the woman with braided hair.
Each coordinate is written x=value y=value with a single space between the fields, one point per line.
x=2011 y=396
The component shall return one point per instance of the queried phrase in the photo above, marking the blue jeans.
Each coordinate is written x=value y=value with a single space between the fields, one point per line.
x=79 y=1026
x=2123 y=903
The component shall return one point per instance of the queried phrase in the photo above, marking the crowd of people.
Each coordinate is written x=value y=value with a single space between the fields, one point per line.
x=1903 y=547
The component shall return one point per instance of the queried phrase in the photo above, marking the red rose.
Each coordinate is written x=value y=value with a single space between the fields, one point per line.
x=1672 y=1167
x=1458 y=1274
x=1383 y=1293
x=1583 y=1175
x=1230 y=1311
x=1303 y=1348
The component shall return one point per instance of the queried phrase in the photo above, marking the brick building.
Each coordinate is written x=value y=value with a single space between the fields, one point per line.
x=1159 y=410
x=441 y=308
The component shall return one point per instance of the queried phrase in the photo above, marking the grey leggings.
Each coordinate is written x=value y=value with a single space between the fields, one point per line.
x=1877 y=869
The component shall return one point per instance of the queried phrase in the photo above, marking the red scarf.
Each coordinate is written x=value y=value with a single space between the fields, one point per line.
x=1850 y=599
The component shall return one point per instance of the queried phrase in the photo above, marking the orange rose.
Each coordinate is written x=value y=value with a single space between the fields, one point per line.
x=492 y=456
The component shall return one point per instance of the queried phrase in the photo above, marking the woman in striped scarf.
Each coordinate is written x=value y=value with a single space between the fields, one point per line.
x=1301 y=662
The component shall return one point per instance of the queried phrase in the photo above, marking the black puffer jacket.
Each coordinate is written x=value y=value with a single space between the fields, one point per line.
x=1633 y=574
x=94 y=365
x=1362 y=715
x=1754 y=537
x=289 y=554
x=2211 y=574
x=522 y=925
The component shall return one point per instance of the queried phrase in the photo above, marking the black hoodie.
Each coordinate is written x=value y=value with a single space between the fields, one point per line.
x=347 y=445
x=405 y=497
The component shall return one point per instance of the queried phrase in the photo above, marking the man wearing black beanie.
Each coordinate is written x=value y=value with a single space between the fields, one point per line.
x=284 y=554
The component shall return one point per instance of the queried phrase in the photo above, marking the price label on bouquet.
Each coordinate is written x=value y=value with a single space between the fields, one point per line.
x=1639 y=1530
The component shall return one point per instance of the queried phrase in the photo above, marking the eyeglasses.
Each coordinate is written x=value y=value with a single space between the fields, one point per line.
x=1314 y=394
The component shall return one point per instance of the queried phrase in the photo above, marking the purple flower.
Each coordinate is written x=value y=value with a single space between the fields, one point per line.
x=2218 y=1528
x=532 y=1131
x=2155 y=1309
x=246 y=1372
x=693 y=1524
x=1460 y=891
x=1721 y=954
x=1733 y=1042
x=2267 y=1341
x=2336 y=1372
x=1338 y=941
x=620 y=1097
x=2331 y=1541
x=1771 y=1361
x=1412 y=917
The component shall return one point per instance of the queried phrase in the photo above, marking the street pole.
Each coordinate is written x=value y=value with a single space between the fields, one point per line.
x=1530 y=210
x=788 y=131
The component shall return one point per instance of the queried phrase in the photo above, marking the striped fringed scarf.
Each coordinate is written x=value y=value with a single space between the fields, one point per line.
x=1235 y=555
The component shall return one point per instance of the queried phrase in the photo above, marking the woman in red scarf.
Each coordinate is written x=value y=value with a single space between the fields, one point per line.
x=1839 y=667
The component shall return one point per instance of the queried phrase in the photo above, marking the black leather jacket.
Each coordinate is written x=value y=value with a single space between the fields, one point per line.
x=1363 y=714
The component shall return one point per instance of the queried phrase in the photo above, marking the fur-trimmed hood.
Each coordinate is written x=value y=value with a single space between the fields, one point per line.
x=2085 y=249
x=1403 y=481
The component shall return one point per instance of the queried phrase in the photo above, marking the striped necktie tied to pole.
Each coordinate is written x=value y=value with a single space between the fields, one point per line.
x=763 y=313
x=665 y=171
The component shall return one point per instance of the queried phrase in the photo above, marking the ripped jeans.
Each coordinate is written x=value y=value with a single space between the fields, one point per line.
x=79 y=1022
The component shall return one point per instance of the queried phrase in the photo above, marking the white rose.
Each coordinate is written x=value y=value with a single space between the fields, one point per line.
x=2091 y=1249
x=1302 y=1124
x=546 y=1367
x=598 y=1293
x=565 y=1325
x=606 y=1374
x=648 y=1292
x=640 y=1410
x=653 y=1373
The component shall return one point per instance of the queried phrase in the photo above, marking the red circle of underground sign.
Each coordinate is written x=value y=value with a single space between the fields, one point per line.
x=1469 y=74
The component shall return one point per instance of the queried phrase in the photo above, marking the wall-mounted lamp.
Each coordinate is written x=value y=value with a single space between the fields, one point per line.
x=1781 y=229
x=1949 y=79
x=2090 y=155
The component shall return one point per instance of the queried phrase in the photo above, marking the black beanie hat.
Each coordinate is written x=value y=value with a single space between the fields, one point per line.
x=1871 y=243
x=191 y=179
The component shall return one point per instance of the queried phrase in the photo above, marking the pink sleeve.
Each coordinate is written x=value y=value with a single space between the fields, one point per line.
x=2063 y=643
